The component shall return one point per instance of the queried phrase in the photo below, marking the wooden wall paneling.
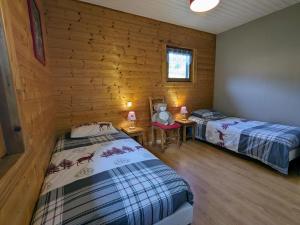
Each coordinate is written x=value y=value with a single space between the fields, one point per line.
x=2 y=144
x=101 y=58
x=20 y=185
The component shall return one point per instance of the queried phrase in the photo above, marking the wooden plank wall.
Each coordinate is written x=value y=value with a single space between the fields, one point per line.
x=101 y=58
x=2 y=144
x=20 y=186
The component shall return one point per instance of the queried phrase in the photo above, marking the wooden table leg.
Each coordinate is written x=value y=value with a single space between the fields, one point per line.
x=140 y=139
x=184 y=133
x=143 y=139
x=178 y=137
x=193 y=132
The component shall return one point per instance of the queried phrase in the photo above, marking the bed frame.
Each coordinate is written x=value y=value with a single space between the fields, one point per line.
x=183 y=216
x=293 y=154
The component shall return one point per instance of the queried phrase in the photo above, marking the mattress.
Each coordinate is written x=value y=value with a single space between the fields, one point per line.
x=110 y=180
x=273 y=144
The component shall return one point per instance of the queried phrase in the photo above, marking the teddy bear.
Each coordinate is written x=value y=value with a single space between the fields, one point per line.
x=161 y=114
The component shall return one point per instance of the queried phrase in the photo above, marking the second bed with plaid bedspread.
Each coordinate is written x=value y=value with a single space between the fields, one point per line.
x=270 y=143
x=108 y=180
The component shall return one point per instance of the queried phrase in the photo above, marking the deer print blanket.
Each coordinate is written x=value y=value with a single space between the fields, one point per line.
x=108 y=180
x=267 y=142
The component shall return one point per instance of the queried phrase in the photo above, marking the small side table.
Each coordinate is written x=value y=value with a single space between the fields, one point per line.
x=185 y=124
x=136 y=133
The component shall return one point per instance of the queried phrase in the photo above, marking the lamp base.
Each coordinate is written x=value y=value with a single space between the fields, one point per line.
x=132 y=125
x=183 y=117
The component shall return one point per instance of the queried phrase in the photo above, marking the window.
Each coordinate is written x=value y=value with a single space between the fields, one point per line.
x=179 y=64
x=11 y=139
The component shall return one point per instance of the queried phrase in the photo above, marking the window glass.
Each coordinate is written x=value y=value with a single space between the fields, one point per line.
x=179 y=64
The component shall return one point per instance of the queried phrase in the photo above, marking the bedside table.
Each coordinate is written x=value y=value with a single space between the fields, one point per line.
x=185 y=124
x=137 y=133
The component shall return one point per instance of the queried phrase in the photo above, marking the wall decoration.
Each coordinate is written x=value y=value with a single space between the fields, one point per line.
x=36 y=31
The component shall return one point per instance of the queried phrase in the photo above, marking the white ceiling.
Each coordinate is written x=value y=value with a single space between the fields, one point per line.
x=228 y=14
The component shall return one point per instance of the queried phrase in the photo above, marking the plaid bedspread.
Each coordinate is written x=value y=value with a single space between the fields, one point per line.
x=271 y=144
x=136 y=189
x=200 y=131
x=266 y=142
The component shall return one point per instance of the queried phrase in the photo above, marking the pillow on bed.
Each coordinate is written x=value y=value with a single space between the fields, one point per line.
x=206 y=113
x=93 y=129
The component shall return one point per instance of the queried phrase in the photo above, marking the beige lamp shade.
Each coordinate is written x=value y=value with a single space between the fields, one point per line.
x=131 y=116
x=183 y=110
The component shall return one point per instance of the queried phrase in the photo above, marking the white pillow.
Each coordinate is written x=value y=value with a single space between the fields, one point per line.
x=93 y=129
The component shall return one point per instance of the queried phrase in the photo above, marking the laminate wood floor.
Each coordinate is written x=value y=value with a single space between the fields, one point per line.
x=233 y=190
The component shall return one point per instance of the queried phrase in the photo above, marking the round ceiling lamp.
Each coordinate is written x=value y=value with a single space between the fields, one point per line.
x=203 y=5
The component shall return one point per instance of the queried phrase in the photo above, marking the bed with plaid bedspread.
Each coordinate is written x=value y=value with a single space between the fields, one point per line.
x=267 y=142
x=108 y=180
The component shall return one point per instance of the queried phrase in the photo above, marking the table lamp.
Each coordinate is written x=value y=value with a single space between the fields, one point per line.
x=183 y=112
x=131 y=119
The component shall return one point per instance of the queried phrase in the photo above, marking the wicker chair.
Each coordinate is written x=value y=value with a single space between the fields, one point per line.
x=163 y=129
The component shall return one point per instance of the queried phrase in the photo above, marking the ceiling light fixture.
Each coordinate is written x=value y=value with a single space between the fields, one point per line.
x=203 y=5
